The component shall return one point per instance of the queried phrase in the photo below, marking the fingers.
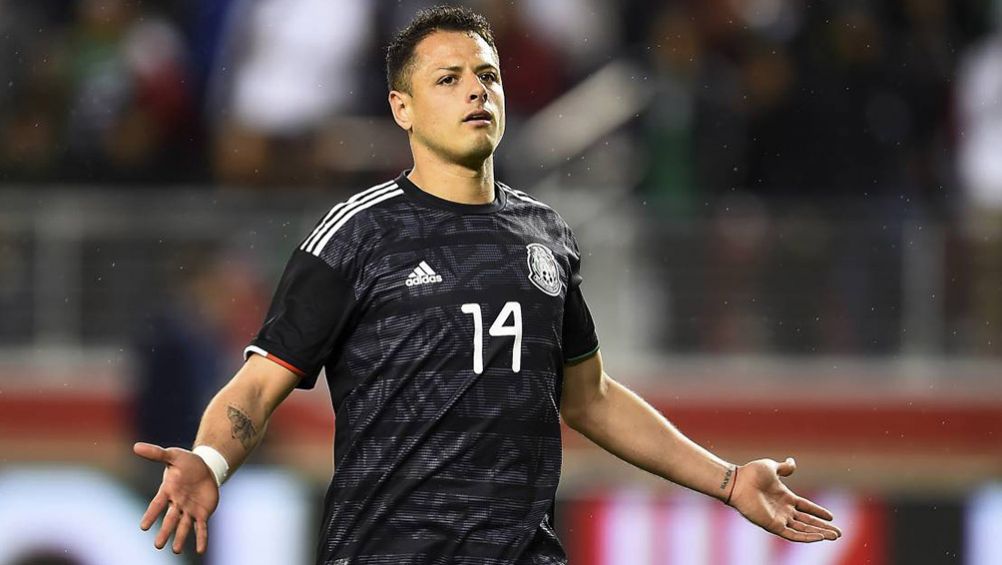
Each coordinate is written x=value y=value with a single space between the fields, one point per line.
x=180 y=524
x=183 y=527
x=811 y=520
x=201 y=535
x=151 y=452
x=157 y=506
x=786 y=468
x=827 y=533
x=170 y=523
x=805 y=505
x=803 y=537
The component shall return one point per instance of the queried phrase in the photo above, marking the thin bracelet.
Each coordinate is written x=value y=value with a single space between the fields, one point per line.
x=733 y=482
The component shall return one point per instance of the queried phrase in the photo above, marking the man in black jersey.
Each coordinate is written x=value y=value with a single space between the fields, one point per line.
x=445 y=309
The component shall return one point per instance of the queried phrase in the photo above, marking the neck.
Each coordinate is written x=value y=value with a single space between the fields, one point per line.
x=455 y=182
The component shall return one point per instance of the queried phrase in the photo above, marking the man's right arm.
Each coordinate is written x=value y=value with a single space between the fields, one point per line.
x=235 y=420
x=233 y=424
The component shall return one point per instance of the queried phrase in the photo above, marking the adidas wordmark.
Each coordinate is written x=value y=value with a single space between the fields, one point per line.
x=423 y=274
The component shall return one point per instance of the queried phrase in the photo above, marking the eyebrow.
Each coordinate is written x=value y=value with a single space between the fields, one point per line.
x=457 y=68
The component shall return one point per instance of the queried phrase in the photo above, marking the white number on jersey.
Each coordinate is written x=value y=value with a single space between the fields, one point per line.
x=499 y=328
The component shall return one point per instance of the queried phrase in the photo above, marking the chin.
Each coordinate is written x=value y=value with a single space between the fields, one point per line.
x=474 y=156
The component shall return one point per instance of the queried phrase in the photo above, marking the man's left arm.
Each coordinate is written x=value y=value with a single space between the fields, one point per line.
x=622 y=423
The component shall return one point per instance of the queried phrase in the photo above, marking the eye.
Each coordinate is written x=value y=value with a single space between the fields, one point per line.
x=489 y=76
x=447 y=80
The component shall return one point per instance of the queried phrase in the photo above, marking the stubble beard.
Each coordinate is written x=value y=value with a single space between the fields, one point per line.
x=472 y=156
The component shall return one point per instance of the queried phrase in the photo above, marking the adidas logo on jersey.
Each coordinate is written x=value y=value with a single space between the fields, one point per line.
x=423 y=274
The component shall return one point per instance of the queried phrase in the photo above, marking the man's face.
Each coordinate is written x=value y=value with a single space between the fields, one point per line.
x=456 y=104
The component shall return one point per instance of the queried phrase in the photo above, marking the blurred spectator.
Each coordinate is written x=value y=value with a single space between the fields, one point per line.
x=179 y=362
x=979 y=100
x=585 y=32
x=532 y=70
x=129 y=108
x=293 y=67
x=32 y=93
x=676 y=56
x=737 y=257
x=193 y=340
x=98 y=97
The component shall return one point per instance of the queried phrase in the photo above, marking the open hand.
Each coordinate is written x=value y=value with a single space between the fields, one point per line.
x=188 y=493
x=763 y=499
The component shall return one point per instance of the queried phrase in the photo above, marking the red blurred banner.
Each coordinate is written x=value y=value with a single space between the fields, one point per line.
x=647 y=528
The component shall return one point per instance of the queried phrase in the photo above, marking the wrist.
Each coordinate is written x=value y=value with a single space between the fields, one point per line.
x=217 y=464
x=732 y=477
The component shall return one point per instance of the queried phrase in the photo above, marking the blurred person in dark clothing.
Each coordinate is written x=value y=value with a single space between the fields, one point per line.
x=178 y=366
x=33 y=92
x=190 y=340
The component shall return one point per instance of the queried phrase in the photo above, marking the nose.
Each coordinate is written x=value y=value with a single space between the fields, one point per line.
x=478 y=90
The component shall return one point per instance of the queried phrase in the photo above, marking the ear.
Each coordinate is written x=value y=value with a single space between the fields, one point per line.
x=400 y=106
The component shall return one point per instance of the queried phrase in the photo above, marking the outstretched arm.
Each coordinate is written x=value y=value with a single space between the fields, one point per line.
x=621 y=422
x=233 y=424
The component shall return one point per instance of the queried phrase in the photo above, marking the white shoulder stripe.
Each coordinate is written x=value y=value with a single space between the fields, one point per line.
x=347 y=215
x=338 y=210
x=329 y=218
x=341 y=209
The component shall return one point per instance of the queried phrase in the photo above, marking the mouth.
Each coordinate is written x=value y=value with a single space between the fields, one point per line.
x=480 y=117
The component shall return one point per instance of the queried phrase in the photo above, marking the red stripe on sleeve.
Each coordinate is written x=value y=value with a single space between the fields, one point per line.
x=288 y=366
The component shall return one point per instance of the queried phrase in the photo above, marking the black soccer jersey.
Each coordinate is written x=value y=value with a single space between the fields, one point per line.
x=443 y=329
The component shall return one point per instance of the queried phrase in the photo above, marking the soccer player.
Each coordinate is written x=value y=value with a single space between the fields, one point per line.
x=446 y=310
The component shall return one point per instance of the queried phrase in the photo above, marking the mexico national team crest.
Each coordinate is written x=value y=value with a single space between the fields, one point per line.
x=543 y=270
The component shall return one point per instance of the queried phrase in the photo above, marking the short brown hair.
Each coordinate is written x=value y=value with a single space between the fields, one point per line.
x=400 y=51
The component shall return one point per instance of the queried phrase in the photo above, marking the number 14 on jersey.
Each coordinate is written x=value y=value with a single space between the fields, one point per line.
x=499 y=328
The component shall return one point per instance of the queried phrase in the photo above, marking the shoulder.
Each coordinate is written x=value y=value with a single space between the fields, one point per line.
x=523 y=198
x=353 y=220
x=522 y=203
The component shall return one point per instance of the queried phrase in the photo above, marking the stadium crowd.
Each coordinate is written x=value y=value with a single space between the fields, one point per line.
x=771 y=96
x=802 y=138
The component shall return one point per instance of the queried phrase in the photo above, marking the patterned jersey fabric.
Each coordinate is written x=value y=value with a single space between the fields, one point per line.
x=443 y=329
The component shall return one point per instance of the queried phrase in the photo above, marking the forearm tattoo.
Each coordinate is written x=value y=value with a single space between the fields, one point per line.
x=243 y=427
x=727 y=478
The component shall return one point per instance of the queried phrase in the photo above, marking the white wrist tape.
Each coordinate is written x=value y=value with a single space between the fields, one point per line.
x=216 y=462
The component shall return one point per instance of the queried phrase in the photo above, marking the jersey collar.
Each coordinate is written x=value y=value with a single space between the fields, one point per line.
x=415 y=193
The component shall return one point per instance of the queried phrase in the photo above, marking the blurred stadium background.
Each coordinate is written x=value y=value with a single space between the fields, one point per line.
x=791 y=213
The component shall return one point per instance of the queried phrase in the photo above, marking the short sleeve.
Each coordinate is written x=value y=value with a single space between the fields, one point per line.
x=307 y=317
x=579 y=338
